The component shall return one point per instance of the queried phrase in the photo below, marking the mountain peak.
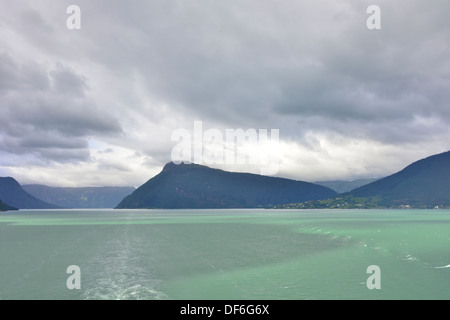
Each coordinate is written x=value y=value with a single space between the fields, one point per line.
x=172 y=165
x=9 y=180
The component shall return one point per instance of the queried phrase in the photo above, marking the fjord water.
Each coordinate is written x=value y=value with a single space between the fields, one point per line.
x=225 y=254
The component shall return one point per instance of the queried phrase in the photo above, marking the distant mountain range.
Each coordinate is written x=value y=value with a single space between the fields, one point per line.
x=341 y=186
x=197 y=186
x=14 y=195
x=75 y=198
x=43 y=197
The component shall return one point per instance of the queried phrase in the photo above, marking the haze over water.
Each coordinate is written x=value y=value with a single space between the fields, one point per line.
x=225 y=254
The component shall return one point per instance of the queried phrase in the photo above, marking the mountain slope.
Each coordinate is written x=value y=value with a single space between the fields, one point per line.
x=197 y=186
x=88 y=197
x=13 y=194
x=423 y=183
x=5 y=207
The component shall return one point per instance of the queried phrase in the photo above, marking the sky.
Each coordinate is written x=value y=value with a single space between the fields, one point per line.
x=99 y=105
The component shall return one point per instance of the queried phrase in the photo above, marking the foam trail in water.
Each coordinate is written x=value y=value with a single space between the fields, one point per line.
x=447 y=266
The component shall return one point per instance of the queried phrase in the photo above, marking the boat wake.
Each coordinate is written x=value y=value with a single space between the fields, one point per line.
x=136 y=292
x=447 y=266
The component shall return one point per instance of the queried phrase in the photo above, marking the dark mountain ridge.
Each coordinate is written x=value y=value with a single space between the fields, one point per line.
x=198 y=186
x=423 y=183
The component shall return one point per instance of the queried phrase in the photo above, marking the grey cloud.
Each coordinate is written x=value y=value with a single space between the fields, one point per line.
x=46 y=112
x=112 y=165
x=31 y=17
x=8 y=76
x=67 y=82
x=243 y=62
x=49 y=140
x=62 y=155
x=29 y=76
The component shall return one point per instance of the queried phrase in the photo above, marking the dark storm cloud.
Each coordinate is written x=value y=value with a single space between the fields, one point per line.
x=250 y=61
x=68 y=83
x=44 y=112
x=16 y=77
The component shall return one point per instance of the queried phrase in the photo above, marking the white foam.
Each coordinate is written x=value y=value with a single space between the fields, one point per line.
x=447 y=266
x=410 y=258
x=136 y=292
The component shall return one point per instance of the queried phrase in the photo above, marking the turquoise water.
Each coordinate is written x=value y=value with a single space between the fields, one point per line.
x=225 y=254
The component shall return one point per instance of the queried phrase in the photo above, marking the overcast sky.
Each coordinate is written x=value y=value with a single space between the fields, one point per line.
x=98 y=106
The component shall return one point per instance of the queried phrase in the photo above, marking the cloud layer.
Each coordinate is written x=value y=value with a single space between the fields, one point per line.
x=103 y=101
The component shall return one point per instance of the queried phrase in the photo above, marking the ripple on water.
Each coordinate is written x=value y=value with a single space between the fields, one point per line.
x=115 y=292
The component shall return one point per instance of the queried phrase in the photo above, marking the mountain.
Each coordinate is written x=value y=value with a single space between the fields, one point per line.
x=87 y=197
x=13 y=194
x=197 y=186
x=5 y=207
x=341 y=186
x=424 y=183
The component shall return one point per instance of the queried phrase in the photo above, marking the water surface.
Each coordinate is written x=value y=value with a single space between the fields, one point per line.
x=225 y=254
